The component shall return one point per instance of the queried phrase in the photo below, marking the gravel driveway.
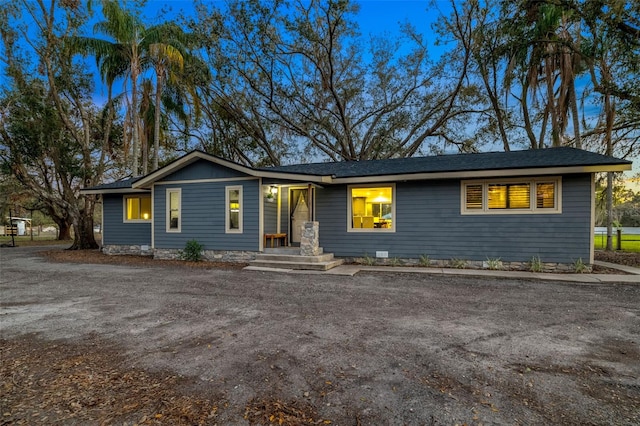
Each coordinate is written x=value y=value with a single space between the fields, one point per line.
x=372 y=349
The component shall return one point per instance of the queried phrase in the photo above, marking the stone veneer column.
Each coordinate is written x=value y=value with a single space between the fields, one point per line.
x=310 y=239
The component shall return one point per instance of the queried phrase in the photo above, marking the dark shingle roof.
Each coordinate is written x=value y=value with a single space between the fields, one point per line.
x=119 y=184
x=535 y=158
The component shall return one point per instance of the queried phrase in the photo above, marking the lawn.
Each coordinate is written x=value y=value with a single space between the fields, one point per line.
x=629 y=242
x=41 y=240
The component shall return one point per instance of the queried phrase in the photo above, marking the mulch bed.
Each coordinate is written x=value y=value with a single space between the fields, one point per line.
x=96 y=256
x=619 y=257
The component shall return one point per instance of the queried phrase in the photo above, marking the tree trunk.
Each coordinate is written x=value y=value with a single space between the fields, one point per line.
x=609 y=209
x=83 y=234
x=574 y=114
x=156 y=129
x=609 y=111
x=64 y=230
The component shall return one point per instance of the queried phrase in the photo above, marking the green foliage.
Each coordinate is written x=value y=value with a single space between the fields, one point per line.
x=494 y=263
x=458 y=263
x=368 y=260
x=396 y=261
x=192 y=251
x=535 y=264
x=425 y=260
x=579 y=266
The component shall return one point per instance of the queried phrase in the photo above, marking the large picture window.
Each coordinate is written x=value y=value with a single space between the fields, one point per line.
x=174 y=210
x=233 y=203
x=537 y=195
x=137 y=208
x=372 y=208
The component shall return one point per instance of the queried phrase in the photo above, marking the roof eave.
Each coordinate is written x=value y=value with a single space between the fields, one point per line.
x=470 y=174
x=194 y=156
x=91 y=191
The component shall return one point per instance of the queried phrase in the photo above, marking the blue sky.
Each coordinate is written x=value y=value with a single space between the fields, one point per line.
x=375 y=16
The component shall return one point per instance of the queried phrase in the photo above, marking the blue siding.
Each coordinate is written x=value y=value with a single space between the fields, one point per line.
x=203 y=169
x=429 y=222
x=203 y=216
x=118 y=232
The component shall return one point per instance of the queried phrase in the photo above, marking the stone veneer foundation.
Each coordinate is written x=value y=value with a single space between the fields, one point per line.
x=119 y=249
x=211 y=255
x=468 y=264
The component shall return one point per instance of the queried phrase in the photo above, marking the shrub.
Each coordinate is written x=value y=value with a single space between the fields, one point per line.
x=368 y=260
x=425 y=260
x=535 y=265
x=579 y=266
x=494 y=263
x=396 y=262
x=458 y=263
x=192 y=251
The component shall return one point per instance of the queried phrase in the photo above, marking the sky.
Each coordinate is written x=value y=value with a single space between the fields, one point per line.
x=375 y=17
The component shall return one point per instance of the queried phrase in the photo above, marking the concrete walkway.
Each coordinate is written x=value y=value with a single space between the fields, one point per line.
x=351 y=270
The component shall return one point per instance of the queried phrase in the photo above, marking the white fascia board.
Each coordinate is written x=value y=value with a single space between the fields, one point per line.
x=475 y=174
x=115 y=191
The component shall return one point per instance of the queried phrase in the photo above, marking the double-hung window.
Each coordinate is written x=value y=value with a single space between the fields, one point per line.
x=174 y=210
x=371 y=208
x=511 y=196
x=137 y=208
x=233 y=209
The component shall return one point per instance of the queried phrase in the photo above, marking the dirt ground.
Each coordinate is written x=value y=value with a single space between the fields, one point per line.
x=158 y=343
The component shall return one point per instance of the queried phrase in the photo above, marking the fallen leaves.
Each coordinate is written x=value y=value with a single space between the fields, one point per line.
x=276 y=412
x=49 y=382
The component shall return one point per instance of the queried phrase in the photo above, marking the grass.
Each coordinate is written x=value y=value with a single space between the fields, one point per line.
x=41 y=240
x=628 y=243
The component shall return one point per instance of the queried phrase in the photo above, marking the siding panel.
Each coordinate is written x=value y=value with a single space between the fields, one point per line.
x=429 y=223
x=115 y=230
x=203 y=215
x=203 y=169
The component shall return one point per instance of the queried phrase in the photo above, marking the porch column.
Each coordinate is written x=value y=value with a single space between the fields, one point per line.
x=310 y=239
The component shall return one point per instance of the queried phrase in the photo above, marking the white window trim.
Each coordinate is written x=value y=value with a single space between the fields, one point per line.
x=532 y=196
x=168 y=209
x=227 y=229
x=124 y=208
x=394 y=219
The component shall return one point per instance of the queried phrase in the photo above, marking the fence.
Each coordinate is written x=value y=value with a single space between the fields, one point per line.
x=621 y=240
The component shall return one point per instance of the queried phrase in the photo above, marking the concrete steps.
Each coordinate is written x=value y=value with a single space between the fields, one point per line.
x=288 y=260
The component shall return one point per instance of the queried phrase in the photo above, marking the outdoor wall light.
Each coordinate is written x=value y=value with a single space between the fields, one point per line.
x=273 y=190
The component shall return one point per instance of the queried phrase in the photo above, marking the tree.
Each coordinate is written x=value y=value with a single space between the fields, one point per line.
x=131 y=48
x=53 y=138
x=288 y=76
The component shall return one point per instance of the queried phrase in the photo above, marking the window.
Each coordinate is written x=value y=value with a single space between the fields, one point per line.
x=137 y=208
x=539 y=195
x=233 y=216
x=174 y=210
x=371 y=208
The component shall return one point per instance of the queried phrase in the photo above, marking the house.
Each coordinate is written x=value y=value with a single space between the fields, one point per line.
x=510 y=206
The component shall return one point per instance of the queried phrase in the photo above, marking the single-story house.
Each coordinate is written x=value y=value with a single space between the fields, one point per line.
x=511 y=206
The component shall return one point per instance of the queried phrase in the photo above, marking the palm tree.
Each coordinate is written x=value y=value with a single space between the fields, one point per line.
x=123 y=56
x=165 y=56
x=546 y=57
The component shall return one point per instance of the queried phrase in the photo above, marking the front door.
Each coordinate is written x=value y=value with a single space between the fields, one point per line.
x=300 y=211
